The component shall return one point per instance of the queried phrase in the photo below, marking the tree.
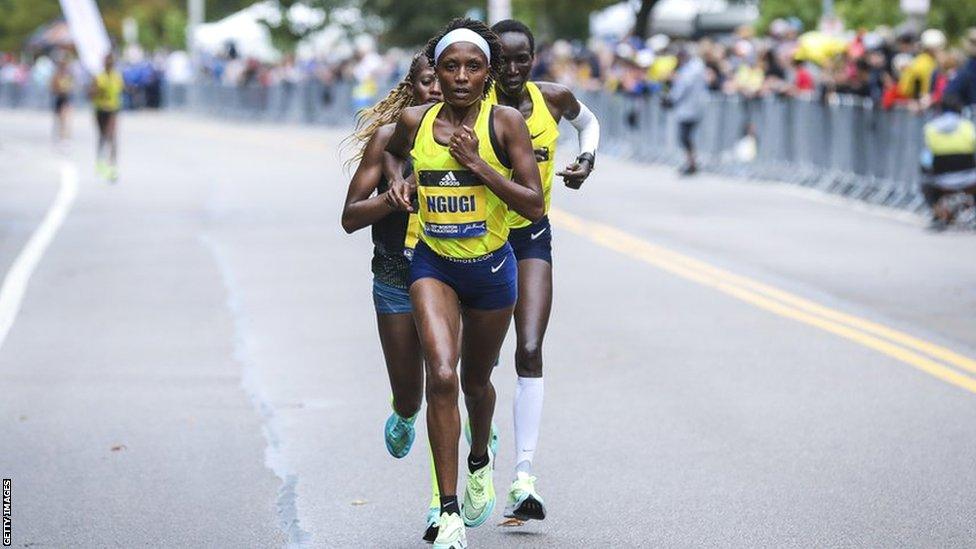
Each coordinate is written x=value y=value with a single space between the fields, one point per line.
x=952 y=16
x=19 y=18
x=642 y=25
x=410 y=24
x=285 y=32
x=551 y=19
x=807 y=11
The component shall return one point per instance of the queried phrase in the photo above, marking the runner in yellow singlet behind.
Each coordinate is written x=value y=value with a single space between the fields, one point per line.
x=106 y=95
x=473 y=161
x=543 y=104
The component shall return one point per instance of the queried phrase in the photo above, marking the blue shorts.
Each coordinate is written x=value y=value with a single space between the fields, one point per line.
x=533 y=241
x=488 y=282
x=390 y=300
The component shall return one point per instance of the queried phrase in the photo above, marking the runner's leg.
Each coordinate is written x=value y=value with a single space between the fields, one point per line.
x=531 y=320
x=438 y=317
x=404 y=361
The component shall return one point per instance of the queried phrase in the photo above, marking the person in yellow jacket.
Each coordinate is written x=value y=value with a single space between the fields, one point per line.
x=948 y=161
x=473 y=162
x=915 y=81
x=106 y=96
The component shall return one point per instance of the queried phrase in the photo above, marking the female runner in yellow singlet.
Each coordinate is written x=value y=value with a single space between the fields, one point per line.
x=472 y=162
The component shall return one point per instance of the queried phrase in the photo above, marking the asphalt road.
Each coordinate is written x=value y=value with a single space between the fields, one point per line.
x=729 y=364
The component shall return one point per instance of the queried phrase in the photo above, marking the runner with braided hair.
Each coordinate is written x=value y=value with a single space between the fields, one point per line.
x=369 y=202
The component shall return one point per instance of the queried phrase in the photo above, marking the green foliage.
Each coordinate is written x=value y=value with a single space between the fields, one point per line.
x=161 y=22
x=807 y=11
x=160 y=25
x=285 y=33
x=218 y=9
x=870 y=13
x=551 y=19
x=19 y=18
x=410 y=23
x=952 y=16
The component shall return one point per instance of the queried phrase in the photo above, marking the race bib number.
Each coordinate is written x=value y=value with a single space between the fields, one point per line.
x=453 y=204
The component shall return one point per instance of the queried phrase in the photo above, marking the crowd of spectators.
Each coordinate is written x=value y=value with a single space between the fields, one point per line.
x=894 y=68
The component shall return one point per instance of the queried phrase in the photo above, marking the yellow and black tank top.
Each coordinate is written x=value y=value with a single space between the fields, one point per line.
x=108 y=91
x=459 y=216
x=544 y=131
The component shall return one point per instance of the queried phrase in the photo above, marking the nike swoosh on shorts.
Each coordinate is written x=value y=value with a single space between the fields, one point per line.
x=499 y=266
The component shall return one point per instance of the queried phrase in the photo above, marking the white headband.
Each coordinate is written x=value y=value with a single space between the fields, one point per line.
x=461 y=35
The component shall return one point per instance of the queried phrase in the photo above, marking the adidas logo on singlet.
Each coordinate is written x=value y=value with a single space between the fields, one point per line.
x=449 y=180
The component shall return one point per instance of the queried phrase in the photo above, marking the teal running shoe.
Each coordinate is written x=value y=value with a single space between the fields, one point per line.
x=492 y=440
x=479 y=494
x=399 y=435
x=524 y=503
x=450 y=532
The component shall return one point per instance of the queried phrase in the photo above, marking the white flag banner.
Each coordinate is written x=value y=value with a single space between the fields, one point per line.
x=88 y=32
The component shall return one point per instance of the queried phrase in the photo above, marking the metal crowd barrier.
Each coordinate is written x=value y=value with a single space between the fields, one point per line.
x=844 y=146
x=310 y=102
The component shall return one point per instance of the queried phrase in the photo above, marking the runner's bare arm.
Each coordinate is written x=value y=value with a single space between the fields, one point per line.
x=399 y=149
x=563 y=103
x=361 y=209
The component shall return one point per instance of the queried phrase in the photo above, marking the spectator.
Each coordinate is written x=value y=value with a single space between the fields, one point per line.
x=688 y=98
x=916 y=80
x=803 y=83
x=948 y=160
x=964 y=84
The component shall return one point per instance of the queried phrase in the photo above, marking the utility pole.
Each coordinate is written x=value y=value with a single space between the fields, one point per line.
x=828 y=8
x=195 y=15
x=829 y=22
x=499 y=10
x=916 y=10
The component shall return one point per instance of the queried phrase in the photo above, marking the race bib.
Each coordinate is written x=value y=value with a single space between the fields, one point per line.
x=453 y=204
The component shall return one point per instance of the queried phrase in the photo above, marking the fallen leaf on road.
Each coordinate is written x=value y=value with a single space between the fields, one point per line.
x=358 y=502
x=511 y=522
x=119 y=447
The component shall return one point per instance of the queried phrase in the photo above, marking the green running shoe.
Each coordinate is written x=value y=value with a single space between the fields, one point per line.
x=450 y=533
x=433 y=518
x=479 y=494
x=524 y=503
x=399 y=435
x=492 y=440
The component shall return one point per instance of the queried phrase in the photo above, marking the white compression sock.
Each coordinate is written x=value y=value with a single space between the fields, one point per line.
x=528 y=415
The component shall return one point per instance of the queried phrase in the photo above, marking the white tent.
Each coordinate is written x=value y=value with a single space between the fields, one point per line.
x=673 y=17
x=252 y=39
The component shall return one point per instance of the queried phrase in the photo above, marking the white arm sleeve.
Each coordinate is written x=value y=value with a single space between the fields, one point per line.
x=588 y=128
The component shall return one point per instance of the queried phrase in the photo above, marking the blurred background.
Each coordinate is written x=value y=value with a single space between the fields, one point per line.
x=802 y=90
x=188 y=350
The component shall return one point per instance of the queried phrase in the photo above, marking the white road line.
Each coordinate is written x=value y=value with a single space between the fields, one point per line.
x=15 y=283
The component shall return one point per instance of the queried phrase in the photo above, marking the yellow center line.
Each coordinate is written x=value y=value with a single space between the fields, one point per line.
x=888 y=341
